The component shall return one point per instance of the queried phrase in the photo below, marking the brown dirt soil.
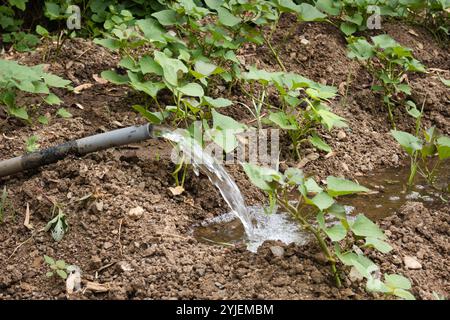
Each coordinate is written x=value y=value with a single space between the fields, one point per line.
x=155 y=256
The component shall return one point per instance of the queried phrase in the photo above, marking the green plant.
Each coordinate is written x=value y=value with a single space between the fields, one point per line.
x=302 y=105
x=389 y=63
x=31 y=144
x=422 y=150
x=58 y=226
x=15 y=77
x=335 y=233
x=58 y=267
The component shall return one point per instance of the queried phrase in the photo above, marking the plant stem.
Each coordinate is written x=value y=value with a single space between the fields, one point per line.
x=413 y=171
x=308 y=227
x=280 y=63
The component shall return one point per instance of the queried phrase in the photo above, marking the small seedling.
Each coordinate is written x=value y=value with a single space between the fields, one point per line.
x=389 y=63
x=58 y=267
x=58 y=225
x=31 y=144
x=422 y=151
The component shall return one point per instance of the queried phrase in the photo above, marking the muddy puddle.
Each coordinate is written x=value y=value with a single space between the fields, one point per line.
x=389 y=194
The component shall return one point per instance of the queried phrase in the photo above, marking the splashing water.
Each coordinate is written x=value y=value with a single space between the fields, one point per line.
x=272 y=226
x=217 y=175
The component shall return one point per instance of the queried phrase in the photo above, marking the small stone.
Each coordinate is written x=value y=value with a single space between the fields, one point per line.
x=312 y=156
x=345 y=166
x=136 y=213
x=347 y=292
x=219 y=285
x=412 y=263
x=342 y=135
x=123 y=266
x=354 y=275
x=95 y=262
x=277 y=251
x=107 y=245
x=201 y=272
x=394 y=158
x=96 y=207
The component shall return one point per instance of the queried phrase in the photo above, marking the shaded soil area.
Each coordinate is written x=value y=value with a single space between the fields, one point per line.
x=153 y=254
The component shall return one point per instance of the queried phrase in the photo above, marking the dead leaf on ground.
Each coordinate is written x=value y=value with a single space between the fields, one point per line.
x=97 y=287
x=411 y=31
x=99 y=79
x=27 y=223
x=82 y=87
x=177 y=190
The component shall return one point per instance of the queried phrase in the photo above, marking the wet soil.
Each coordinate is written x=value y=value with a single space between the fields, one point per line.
x=155 y=255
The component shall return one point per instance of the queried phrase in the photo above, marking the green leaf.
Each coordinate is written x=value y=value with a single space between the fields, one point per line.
x=40 y=30
x=312 y=186
x=111 y=44
x=115 y=78
x=170 y=67
x=403 y=87
x=43 y=120
x=364 y=227
x=261 y=176
x=443 y=147
x=282 y=120
x=412 y=109
x=152 y=30
x=322 y=201
x=384 y=41
x=192 y=90
x=52 y=10
x=31 y=144
x=150 y=88
x=223 y=122
x=153 y=117
x=62 y=274
x=217 y=103
x=204 y=68
x=49 y=274
x=348 y=28
x=336 y=232
x=330 y=7
x=63 y=113
x=317 y=142
x=409 y=142
x=397 y=281
x=214 y=4
x=52 y=99
x=331 y=120
x=58 y=230
x=20 y=4
x=380 y=245
x=339 y=187
x=360 y=49
x=166 y=17
x=445 y=81
x=20 y=113
x=294 y=176
x=401 y=293
x=148 y=65
x=128 y=63
x=337 y=210
x=49 y=260
x=226 y=18
x=310 y=13
x=61 y=264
